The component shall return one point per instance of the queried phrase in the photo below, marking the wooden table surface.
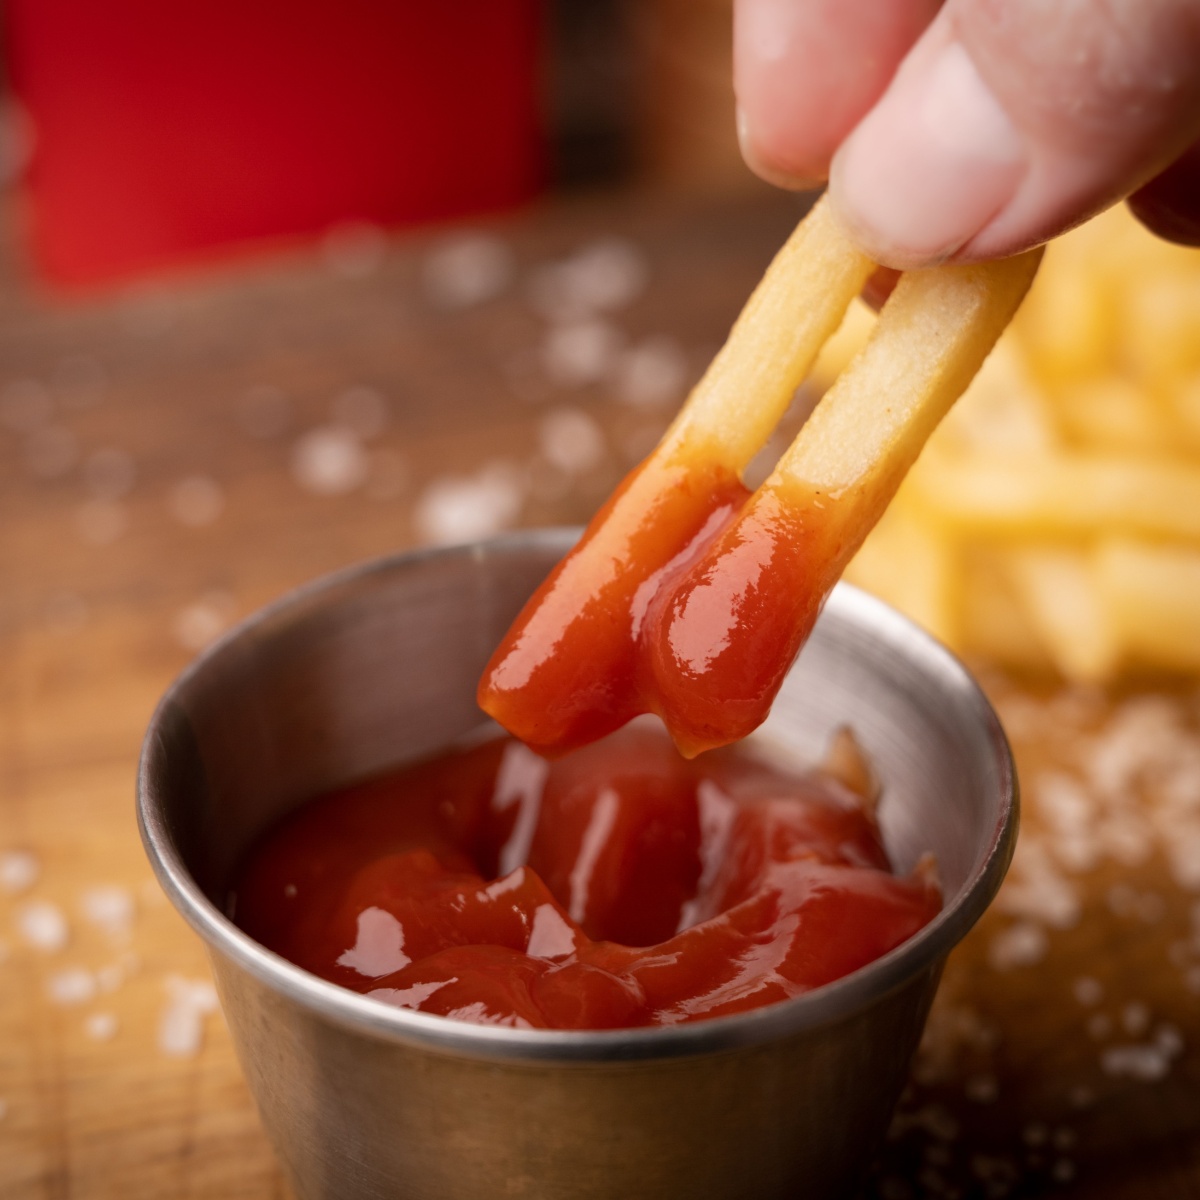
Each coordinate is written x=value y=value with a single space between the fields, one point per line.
x=149 y=496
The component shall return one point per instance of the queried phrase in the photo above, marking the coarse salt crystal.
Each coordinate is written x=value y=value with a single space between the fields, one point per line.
x=329 y=461
x=463 y=509
x=1036 y=890
x=467 y=270
x=101 y=1026
x=571 y=441
x=1088 y=991
x=73 y=985
x=42 y=925
x=181 y=1024
x=651 y=373
x=1147 y=1064
x=1020 y=945
x=204 y=620
x=19 y=870
x=110 y=907
x=580 y=353
x=1135 y=1017
x=196 y=500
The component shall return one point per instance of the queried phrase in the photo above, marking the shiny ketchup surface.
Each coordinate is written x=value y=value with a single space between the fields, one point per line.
x=618 y=886
x=687 y=597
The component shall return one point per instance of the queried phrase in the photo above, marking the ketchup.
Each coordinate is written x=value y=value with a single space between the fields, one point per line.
x=618 y=886
x=686 y=597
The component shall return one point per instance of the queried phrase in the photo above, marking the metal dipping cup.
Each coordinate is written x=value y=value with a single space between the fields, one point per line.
x=377 y=665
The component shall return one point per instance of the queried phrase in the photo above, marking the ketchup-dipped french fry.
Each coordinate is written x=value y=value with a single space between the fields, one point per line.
x=687 y=596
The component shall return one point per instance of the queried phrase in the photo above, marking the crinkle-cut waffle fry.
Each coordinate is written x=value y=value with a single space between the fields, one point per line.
x=689 y=597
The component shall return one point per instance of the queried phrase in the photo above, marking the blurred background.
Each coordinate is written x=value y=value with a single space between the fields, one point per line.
x=287 y=286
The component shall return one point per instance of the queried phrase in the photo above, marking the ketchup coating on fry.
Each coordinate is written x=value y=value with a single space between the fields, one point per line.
x=700 y=602
x=619 y=886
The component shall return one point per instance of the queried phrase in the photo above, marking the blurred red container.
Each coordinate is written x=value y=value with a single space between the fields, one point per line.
x=166 y=130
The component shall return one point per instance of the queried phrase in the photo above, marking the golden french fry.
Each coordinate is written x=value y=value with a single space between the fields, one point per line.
x=1153 y=594
x=799 y=303
x=1060 y=495
x=1058 y=592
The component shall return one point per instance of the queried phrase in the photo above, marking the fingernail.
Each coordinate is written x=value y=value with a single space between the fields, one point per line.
x=931 y=164
x=794 y=181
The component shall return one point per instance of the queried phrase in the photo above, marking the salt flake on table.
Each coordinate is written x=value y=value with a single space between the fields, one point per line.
x=19 y=870
x=196 y=500
x=580 y=353
x=101 y=1026
x=463 y=509
x=110 y=907
x=329 y=461
x=1088 y=991
x=605 y=275
x=204 y=620
x=181 y=1024
x=1020 y=945
x=42 y=924
x=571 y=440
x=466 y=270
x=651 y=374
x=72 y=985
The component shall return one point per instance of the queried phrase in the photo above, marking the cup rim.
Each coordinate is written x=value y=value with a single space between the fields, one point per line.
x=827 y=1004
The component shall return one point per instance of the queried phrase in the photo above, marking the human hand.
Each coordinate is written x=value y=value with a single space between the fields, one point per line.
x=975 y=128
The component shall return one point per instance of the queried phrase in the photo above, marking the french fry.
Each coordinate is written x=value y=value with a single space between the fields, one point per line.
x=686 y=596
x=1063 y=495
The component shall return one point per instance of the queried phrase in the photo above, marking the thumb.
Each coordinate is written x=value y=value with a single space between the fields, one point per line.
x=1012 y=120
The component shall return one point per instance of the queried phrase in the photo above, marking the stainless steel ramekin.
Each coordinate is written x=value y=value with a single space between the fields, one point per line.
x=377 y=665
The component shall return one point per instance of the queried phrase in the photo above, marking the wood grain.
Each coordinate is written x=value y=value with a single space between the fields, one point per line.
x=90 y=636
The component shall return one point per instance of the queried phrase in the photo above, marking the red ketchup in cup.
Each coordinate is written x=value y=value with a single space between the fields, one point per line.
x=619 y=886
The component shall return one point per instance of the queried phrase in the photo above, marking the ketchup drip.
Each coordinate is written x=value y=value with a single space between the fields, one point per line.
x=619 y=886
x=693 y=606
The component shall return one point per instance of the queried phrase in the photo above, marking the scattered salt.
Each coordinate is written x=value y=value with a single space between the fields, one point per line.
x=329 y=461
x=19 y=870
x=101 y=522
x=109 y=907
x=110 y=977
x=196 y=500
x=354 y=249
x=571 y=441
x=25 y=404
x=1147 y=1064
x=651 y=373
x=72 y=985
x=50 y=452
x=109 y=474
x=463 y=509
x=181 y=1024
x=42 y=925
x=580 y=353
x=468 y=269
x=204 y=620
x=1099 y=1026
x=362 y=410
x=1020 y=945
x=1036 y=890
x=1135 y=1017
x=1088 y=991
x=265 y=412
x=601 y=277
x=101 y=1026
